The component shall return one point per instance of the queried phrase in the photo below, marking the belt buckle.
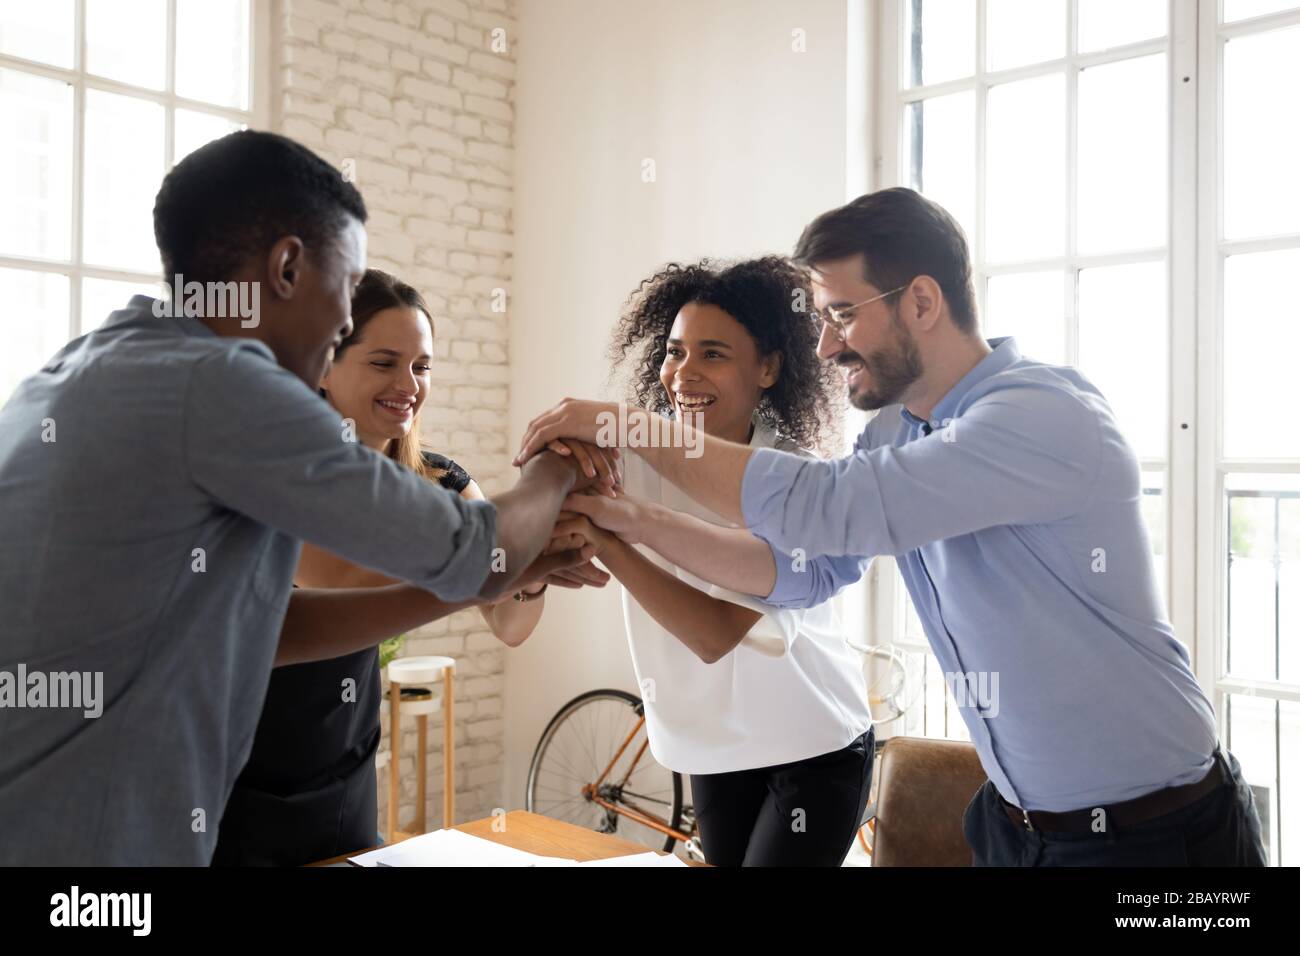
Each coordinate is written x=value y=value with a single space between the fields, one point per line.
x=1028 y=823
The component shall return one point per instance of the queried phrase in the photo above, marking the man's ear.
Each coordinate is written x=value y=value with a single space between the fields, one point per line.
x=284 y=265
x=928 y=297
x=771 y=370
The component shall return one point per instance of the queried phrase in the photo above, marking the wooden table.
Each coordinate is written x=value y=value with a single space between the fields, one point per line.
x=541 y=835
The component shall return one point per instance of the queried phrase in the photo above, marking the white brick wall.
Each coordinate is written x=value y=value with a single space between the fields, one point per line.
x=414 y=93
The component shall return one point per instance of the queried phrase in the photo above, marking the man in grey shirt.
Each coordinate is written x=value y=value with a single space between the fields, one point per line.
x=156 y=477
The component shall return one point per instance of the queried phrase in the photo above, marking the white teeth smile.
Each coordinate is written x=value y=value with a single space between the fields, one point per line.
x=692 y=402
x=399 y=406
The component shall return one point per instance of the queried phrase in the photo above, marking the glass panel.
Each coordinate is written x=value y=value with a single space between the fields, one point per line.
x=1153 y=516
x=1030 y=306
x=212 y=51
x=939 y=139
x=1245 y=9
x=1110 y=23
x=41 y=298
x=45 y=32
x=1261 y=148
x=124 y=168
x=100 y=297
x=1124 y=348
x=1261 y=338
x=1026 y=169
x=1288 y=716
x=938 y=41
x=126 y=40
x=1263 y=515
x=35 y=166
x=1253 y=740
x=1123 y=191
x=195 y=129
x=1018 y=32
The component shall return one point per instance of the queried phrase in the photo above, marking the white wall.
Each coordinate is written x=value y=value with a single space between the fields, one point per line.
x=750 y=140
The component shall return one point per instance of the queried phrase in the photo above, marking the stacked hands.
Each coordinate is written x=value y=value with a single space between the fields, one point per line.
x=597 y=515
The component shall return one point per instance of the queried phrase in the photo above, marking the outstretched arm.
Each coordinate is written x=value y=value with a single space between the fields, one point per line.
x=710 y=627
x=322 y=623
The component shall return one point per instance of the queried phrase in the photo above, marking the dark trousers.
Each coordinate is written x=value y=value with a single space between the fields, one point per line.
x=804 y=813
x=1219 y=829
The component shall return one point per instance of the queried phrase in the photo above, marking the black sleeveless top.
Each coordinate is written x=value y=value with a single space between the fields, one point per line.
x=307 y=792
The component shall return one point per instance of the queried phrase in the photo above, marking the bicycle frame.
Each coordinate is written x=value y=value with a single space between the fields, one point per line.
x=591 y=790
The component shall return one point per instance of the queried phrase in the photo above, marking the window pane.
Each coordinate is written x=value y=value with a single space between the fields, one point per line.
x=1253 y=724
x=1018 y=32
x=940 y=146
x=35 y=166
x=194 y=129
x=1261 y=148
x=1122 y=191
x=41 y=298
x=1261 y=338
x=1153 y=516
x=38 y=31
x=124 y=168
x=1026 y=169
x=100 y=297
x=1245 y=9
x=1124 y=348
x=939 y=44
x=212 y=51
x=126 y=40
x=1109 y=23
x=1263 y=515
x=1031 y=307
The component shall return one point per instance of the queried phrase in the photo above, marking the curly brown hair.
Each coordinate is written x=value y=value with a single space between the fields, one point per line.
x=771 y=298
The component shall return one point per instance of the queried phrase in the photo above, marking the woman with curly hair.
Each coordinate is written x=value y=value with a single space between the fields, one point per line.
x=765 y=708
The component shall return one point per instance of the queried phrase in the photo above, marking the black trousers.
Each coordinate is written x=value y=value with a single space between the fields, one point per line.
x=804 y=813
x=1220 y=829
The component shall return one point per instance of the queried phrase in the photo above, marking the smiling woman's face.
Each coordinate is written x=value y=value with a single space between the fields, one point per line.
x=713 y=367
x=381 y=379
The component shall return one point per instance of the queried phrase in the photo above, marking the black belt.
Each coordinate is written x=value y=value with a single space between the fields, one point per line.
x=1127 y=814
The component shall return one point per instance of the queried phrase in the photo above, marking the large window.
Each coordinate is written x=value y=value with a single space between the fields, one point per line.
x=98 y=99
x=1128 y=187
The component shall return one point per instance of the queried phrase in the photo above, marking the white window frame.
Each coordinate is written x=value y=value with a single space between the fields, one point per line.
x=1196 y=532
x=257 y=116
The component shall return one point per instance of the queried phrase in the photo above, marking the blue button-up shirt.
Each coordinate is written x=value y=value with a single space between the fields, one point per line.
x=1014 y=516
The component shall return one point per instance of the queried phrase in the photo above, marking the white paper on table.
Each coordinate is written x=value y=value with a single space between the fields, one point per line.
x=453 y=848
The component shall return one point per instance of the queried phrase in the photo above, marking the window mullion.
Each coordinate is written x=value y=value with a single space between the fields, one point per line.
x=1184 y=423
x=78 y=169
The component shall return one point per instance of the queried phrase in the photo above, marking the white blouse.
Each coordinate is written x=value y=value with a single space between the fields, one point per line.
x=792 y=689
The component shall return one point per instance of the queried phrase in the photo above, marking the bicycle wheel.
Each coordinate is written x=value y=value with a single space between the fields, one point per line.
x=578 y=746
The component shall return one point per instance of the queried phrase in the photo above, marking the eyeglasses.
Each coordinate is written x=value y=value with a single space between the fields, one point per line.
x=839 y=318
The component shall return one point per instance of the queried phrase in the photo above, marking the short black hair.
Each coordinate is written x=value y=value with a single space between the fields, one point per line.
x=901 y=235
x=768 y=296
x=237 y=196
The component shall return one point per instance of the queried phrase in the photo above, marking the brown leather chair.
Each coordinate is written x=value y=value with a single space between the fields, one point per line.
x=922 y=788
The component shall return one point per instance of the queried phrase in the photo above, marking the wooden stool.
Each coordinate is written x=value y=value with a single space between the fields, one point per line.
x=406 y=671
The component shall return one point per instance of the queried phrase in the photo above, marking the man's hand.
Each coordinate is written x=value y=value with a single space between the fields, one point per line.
x=598 y=464
x=575 y=532
x=625 y=516
x=572 y=418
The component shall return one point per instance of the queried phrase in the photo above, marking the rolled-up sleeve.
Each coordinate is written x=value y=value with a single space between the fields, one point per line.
x=1020 y=456
x=259 y=442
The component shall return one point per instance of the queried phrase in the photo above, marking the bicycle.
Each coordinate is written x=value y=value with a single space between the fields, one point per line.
x=575 y=774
